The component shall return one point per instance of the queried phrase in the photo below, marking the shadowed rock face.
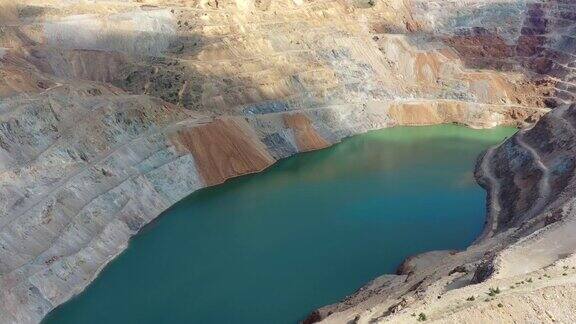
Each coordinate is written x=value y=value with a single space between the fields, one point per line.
x=112 y=111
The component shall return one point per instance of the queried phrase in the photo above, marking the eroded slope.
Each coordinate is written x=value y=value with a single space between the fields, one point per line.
x=110 y=112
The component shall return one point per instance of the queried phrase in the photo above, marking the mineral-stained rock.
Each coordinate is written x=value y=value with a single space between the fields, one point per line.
x=307 y=138
x=224 y=149
x=112 y=111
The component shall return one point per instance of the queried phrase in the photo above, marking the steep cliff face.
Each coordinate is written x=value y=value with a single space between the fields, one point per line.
x=111 y=111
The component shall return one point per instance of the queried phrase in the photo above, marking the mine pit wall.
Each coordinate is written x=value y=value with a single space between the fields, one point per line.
x=532 y=175
x=528 y=173
x=535 y=170
x=75 y=189
x=111 y=200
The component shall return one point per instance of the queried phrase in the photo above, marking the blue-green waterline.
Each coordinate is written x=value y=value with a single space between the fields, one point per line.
x=269 y=248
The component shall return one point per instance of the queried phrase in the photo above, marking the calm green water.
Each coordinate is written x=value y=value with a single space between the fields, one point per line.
x=271 y=247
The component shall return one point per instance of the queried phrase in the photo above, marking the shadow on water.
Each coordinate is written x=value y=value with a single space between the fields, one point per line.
x=271 y=247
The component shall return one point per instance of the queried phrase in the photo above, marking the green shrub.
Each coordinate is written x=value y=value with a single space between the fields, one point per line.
x=471 y=298
x=422 y=317
x=493 y=291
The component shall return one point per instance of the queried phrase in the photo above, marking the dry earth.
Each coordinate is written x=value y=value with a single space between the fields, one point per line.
x=111 y=111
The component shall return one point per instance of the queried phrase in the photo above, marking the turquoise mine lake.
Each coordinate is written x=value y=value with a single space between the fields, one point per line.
x=271 y=247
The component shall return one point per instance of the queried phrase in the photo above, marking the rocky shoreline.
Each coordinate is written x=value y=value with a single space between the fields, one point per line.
x=102 y=103
x=517 y=250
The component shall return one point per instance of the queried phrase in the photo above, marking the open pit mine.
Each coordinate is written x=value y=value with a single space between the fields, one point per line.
x=113 y=111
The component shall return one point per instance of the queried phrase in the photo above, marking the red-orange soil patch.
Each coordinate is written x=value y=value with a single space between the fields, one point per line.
x=224 y=149
x=307 y=138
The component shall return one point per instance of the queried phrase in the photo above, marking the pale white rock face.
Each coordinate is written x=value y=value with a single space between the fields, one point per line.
x=141 y=32
x=175 y=188
x=112 y=111
x=245 y=5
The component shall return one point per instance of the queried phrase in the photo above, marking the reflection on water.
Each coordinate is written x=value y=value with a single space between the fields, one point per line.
x=405 y=147
x=271 y=247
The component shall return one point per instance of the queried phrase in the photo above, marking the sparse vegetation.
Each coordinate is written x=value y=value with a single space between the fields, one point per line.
x=500 y=305
x=471 y=298
x=493 y=291
x=422 y=317
x=529 y=280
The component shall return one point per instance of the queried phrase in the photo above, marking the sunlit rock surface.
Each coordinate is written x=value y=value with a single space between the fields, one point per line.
x=111 y=111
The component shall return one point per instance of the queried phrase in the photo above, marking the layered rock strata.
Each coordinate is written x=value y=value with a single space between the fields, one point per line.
x=112 y=111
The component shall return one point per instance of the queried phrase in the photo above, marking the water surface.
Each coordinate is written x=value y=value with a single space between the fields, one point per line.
x=269 y=248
